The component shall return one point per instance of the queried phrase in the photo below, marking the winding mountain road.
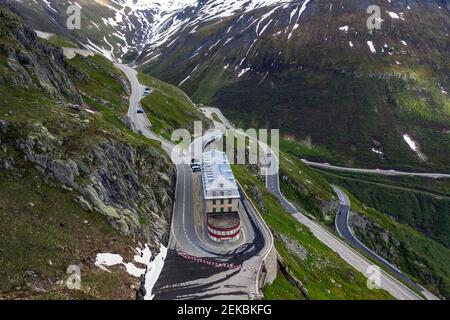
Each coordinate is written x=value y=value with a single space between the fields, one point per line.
x=343 y=228
x=377 y=171
x=347 y=253
x=195 y=268
x=182 y=279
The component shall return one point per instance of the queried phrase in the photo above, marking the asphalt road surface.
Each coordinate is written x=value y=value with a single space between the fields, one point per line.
x=343 y=228
x=350 y=255
x=377 y=171
x=195 y=269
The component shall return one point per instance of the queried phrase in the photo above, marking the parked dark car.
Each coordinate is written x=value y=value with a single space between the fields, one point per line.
x=140 y=111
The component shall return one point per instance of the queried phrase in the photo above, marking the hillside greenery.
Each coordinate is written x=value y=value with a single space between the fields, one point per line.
x=419 y=202
x=324 y=274
x=336 y=101
x=43 y=229
x=423 y=258
x=168 y=108
x=420 y=257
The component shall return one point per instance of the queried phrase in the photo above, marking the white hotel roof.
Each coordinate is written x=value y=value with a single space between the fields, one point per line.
x=218 y=179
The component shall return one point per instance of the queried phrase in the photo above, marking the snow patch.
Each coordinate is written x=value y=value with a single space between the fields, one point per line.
x=243 y=71
x=296 y=25
x=108 y=259
x=393 y=15
x=379 y=152
x=143 y=257
x=414 y=147
x=371 y=46
x=154 y=269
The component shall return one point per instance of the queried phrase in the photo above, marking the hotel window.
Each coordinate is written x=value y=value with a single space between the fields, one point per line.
x=222 y=201
x=214 y=202
x=230 y=201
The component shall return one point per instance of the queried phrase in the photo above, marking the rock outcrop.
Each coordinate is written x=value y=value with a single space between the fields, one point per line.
x=131 y=186
x=392 y=248
x=33 y=63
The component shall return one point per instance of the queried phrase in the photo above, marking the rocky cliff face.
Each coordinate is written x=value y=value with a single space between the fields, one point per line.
x=131 y=184
x=74 y=181
x=33 y=63
x=132 y=187
x=397 y=249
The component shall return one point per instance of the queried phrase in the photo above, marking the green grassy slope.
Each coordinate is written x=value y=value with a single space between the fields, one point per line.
x=43 y=230
x=419 y=203
x=364 y=113
x=169 y=108
x=106 y=90
x=62 y=42
x=323 y=272
x=422 y=258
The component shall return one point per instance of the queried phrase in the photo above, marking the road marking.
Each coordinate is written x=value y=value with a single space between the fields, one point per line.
x=319 y=230
x=215 y=264
x=137 y=121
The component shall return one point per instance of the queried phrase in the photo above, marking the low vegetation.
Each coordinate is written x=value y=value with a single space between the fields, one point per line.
x=324 y=274
x=64 y=111
x=43 y=231
x=423 y=258
x=420 y=257
x=422 y=203
x=169 y=108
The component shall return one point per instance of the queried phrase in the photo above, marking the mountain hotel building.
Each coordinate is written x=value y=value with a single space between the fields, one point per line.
x=221 y=196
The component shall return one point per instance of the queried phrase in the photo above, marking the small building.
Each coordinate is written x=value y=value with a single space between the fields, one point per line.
x=221 y=196
x=224 y=227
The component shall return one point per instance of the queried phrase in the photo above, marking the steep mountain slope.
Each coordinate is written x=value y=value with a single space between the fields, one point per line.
x=322 y=274
x=421 y=203
x=114 y=28
x=312 y=68
x=422 y=258
x=416 y=254
x=121 y=29
x=74 y=180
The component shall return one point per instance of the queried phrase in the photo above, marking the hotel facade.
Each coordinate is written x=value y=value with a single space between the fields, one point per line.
x=221 y=197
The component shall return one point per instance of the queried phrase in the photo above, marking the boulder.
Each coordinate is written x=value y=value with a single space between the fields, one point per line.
x=75 y=107
x=64 y=171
